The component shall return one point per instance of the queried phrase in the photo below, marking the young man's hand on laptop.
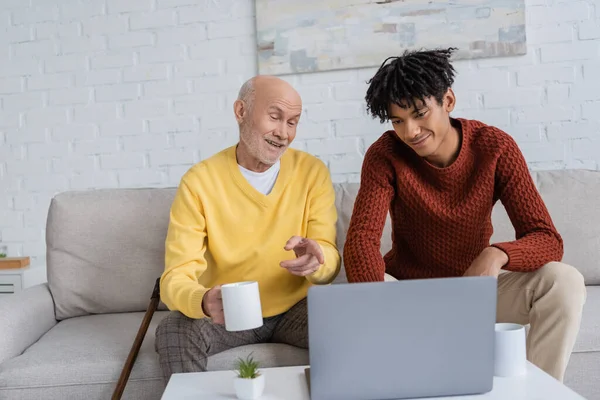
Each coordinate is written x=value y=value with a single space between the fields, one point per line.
x=488 y=263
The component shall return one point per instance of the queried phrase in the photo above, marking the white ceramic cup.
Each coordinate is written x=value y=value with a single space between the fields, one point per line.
x=510 y=354
x=241 y=306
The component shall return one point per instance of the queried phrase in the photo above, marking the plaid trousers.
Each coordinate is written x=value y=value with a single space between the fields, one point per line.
x=183 y=344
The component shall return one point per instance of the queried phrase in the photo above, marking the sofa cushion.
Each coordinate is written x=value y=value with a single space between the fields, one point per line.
x=82 y=357
x=105 y=249
x=267 y=354
x=571 y=197
x=582 y=374
x=589 y=332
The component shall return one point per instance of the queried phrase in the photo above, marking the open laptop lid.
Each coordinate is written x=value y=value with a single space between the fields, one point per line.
x=403 y=339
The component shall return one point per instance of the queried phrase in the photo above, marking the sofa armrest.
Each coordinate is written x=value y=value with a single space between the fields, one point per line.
x=24 y=317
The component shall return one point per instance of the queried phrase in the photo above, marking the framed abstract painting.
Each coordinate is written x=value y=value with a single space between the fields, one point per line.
x=296 y=36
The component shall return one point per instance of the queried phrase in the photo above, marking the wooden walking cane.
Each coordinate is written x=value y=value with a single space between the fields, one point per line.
x=137 y=343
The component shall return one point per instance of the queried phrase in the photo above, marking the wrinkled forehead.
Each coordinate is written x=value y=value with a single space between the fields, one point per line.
x=285 y=100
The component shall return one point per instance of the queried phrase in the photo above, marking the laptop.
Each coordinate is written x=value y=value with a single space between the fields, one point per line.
x=402 y=339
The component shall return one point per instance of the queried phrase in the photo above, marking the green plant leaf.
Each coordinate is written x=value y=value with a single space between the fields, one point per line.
x=2 y=255
x=247 y=368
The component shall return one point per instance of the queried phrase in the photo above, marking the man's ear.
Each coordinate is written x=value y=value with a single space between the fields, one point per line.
x=449 y=101
x=240 y=110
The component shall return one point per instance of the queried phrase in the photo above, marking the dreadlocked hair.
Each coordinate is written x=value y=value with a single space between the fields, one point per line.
x=414 y=76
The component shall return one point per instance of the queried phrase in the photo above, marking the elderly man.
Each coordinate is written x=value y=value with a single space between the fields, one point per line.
x=255 y=211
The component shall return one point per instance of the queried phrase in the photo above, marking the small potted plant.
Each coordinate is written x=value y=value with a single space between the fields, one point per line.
x=249 y=383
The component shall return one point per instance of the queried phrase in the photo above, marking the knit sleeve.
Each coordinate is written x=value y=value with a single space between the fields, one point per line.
x=363 y=260
x=185 y=246
x=537 y=241
x=321 y=227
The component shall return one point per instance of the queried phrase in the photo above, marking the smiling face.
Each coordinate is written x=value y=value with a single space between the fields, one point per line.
x=426 y=129
x=267 y=123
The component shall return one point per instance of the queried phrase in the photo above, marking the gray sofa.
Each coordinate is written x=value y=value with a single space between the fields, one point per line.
x=68 y=339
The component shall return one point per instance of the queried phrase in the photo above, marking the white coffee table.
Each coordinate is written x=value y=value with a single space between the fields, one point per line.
x=289 y=383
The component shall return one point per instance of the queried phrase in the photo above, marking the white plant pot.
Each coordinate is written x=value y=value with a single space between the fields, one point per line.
x=249 y=389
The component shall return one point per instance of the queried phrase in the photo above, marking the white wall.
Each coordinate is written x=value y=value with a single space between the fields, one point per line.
x=129 y=93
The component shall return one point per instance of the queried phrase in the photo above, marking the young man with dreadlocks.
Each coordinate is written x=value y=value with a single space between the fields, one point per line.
x=439 y=178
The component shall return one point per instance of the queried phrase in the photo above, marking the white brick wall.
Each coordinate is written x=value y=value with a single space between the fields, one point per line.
x=113 y=93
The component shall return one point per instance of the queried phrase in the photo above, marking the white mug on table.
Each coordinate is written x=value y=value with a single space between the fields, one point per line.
x=241 y=306
x=510 y=352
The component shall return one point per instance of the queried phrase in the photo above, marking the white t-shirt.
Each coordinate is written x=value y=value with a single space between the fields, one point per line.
x=262 y=181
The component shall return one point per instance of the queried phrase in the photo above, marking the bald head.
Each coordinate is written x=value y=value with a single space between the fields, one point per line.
x=269 y=86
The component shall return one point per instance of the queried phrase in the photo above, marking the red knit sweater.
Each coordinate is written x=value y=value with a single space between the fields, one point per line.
x=441 y=217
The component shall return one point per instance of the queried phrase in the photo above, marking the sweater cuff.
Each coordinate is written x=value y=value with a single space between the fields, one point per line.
x=514 y=253
x=366 y=275
x=195 y=303
x=329 y=270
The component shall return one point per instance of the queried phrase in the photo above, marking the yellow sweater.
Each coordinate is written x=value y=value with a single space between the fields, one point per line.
x=222 y=230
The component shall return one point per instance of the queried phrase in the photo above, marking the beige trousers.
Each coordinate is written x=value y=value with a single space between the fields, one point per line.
x=550 y=300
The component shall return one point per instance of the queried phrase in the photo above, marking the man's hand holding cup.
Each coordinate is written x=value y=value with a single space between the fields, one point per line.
x=235 y=305
x=212 y=305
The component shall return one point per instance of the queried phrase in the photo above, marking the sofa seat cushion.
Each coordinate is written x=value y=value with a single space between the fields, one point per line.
x=589 y=333
x=268 y=355
x=82 y=357
x=84 y=353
